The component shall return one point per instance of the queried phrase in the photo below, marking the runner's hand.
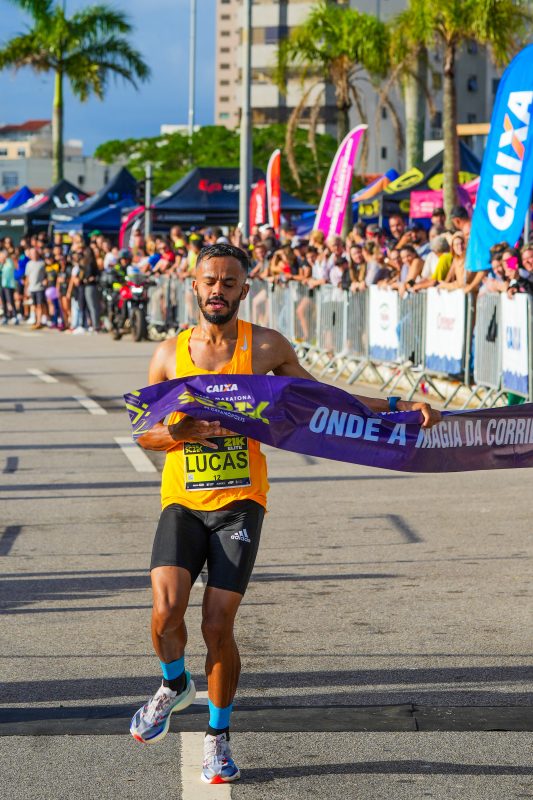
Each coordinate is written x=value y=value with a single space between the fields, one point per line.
x=431 y=416
x=190 y=429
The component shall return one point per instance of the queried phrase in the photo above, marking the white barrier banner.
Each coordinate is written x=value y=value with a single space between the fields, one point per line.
x=445 y=330
x=383 y=340
x=515 y=346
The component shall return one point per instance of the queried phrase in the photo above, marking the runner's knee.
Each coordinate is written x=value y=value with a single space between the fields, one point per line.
x=216 y=630
x=167 y=616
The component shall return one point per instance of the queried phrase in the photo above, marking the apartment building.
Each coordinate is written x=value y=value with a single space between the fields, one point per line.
x=33 y=139
x=26 y=159
x=271 y=22
x=477 y=79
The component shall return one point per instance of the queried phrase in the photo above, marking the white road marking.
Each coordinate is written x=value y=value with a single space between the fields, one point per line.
x=5 y=357
x=134 y=454
x=192 y=756
x=91 y=405
x=42 y=375
x=200 y=699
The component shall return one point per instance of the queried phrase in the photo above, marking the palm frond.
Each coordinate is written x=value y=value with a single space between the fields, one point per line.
x=90 y=68
x=99 y=21
x=38 y=9
x=25 y=51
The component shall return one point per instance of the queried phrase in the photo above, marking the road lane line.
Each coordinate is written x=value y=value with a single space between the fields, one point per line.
x=134 y=454
x=192 y=756
x=200 y=699
x=91 y=405
x=5 y=357
x=43 y=376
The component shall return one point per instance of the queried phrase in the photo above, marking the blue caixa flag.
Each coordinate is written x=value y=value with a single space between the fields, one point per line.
x=507 y=172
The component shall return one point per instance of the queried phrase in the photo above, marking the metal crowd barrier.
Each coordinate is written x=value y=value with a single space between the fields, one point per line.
x=419 y=337
x=448 y=340
x=487 y=350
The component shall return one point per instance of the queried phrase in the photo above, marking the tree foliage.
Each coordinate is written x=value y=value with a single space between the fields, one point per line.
x=172 y=157
x=339 y=46
x=500 y=25
x=87 y=49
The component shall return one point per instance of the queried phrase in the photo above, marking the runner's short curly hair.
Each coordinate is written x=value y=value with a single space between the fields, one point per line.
x=224 y=251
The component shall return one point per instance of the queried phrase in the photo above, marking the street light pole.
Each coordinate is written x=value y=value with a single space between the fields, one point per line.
x=148 y=199
x=245 y=172
x=192 y=62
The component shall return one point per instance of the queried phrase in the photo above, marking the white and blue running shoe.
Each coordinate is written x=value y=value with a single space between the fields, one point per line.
x=152 y=721
x=219 y=766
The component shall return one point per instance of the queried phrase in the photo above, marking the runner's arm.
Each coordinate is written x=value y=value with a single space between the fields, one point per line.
x=167 y=437
x=290 y=367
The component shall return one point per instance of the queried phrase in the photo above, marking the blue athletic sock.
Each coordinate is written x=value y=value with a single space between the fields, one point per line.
x=218 y=719
x=174 y=674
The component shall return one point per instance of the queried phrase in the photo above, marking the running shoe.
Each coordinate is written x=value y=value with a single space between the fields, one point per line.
x=219 y=766
x=152 y=721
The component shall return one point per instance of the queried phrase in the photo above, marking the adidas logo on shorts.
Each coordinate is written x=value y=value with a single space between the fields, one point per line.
x=241 y=536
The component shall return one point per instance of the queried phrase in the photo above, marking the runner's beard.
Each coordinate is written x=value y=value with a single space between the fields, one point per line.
x=218 y=318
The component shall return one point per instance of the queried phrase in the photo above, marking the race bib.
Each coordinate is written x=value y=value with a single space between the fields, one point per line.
x=224 y=468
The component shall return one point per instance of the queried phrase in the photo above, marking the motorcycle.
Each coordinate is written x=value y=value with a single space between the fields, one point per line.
x=128 y=307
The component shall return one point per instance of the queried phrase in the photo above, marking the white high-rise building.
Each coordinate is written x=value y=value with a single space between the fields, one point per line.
x=476 y=78
x=271 y=21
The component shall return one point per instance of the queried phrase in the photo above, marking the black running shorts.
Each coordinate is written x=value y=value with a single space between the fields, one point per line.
x=226 y=539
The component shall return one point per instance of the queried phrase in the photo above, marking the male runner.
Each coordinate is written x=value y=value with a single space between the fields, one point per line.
x=212 y=516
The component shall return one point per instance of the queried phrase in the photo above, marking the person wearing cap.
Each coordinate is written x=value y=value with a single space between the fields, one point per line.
x=419 y=239
x=438 y=217
x=374 y=233
x=460 y=220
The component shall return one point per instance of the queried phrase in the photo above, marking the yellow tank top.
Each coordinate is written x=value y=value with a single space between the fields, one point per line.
x=198 y=477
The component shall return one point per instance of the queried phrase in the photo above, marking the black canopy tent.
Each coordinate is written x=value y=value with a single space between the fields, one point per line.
x=210 y=196
x=34 y=216
x=120 y=189
x=396 y=197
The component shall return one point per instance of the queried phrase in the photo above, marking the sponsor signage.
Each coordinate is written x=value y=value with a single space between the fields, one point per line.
x=383 y=338
x=506 y=180
x=515 y=343
x=445 y=331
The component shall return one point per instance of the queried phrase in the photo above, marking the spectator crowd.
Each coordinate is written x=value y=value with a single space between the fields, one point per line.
x=57 y=281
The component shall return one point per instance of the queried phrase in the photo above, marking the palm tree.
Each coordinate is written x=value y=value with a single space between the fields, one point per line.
x=85 y=48
x=500 y=25
x=408 y=71
x=336 y=45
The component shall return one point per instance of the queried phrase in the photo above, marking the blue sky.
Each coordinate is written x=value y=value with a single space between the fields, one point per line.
x=162 y=36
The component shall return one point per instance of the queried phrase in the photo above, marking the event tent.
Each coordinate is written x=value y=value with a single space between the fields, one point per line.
x=18 y=199
x=106 y=220
x=119 y=190
x=34 y=215
x=396 y=196
x=210 y=196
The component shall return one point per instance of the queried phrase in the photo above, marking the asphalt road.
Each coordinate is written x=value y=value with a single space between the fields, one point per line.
x=385 y=636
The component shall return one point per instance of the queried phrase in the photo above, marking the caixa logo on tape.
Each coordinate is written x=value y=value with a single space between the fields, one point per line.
x=221 y=387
